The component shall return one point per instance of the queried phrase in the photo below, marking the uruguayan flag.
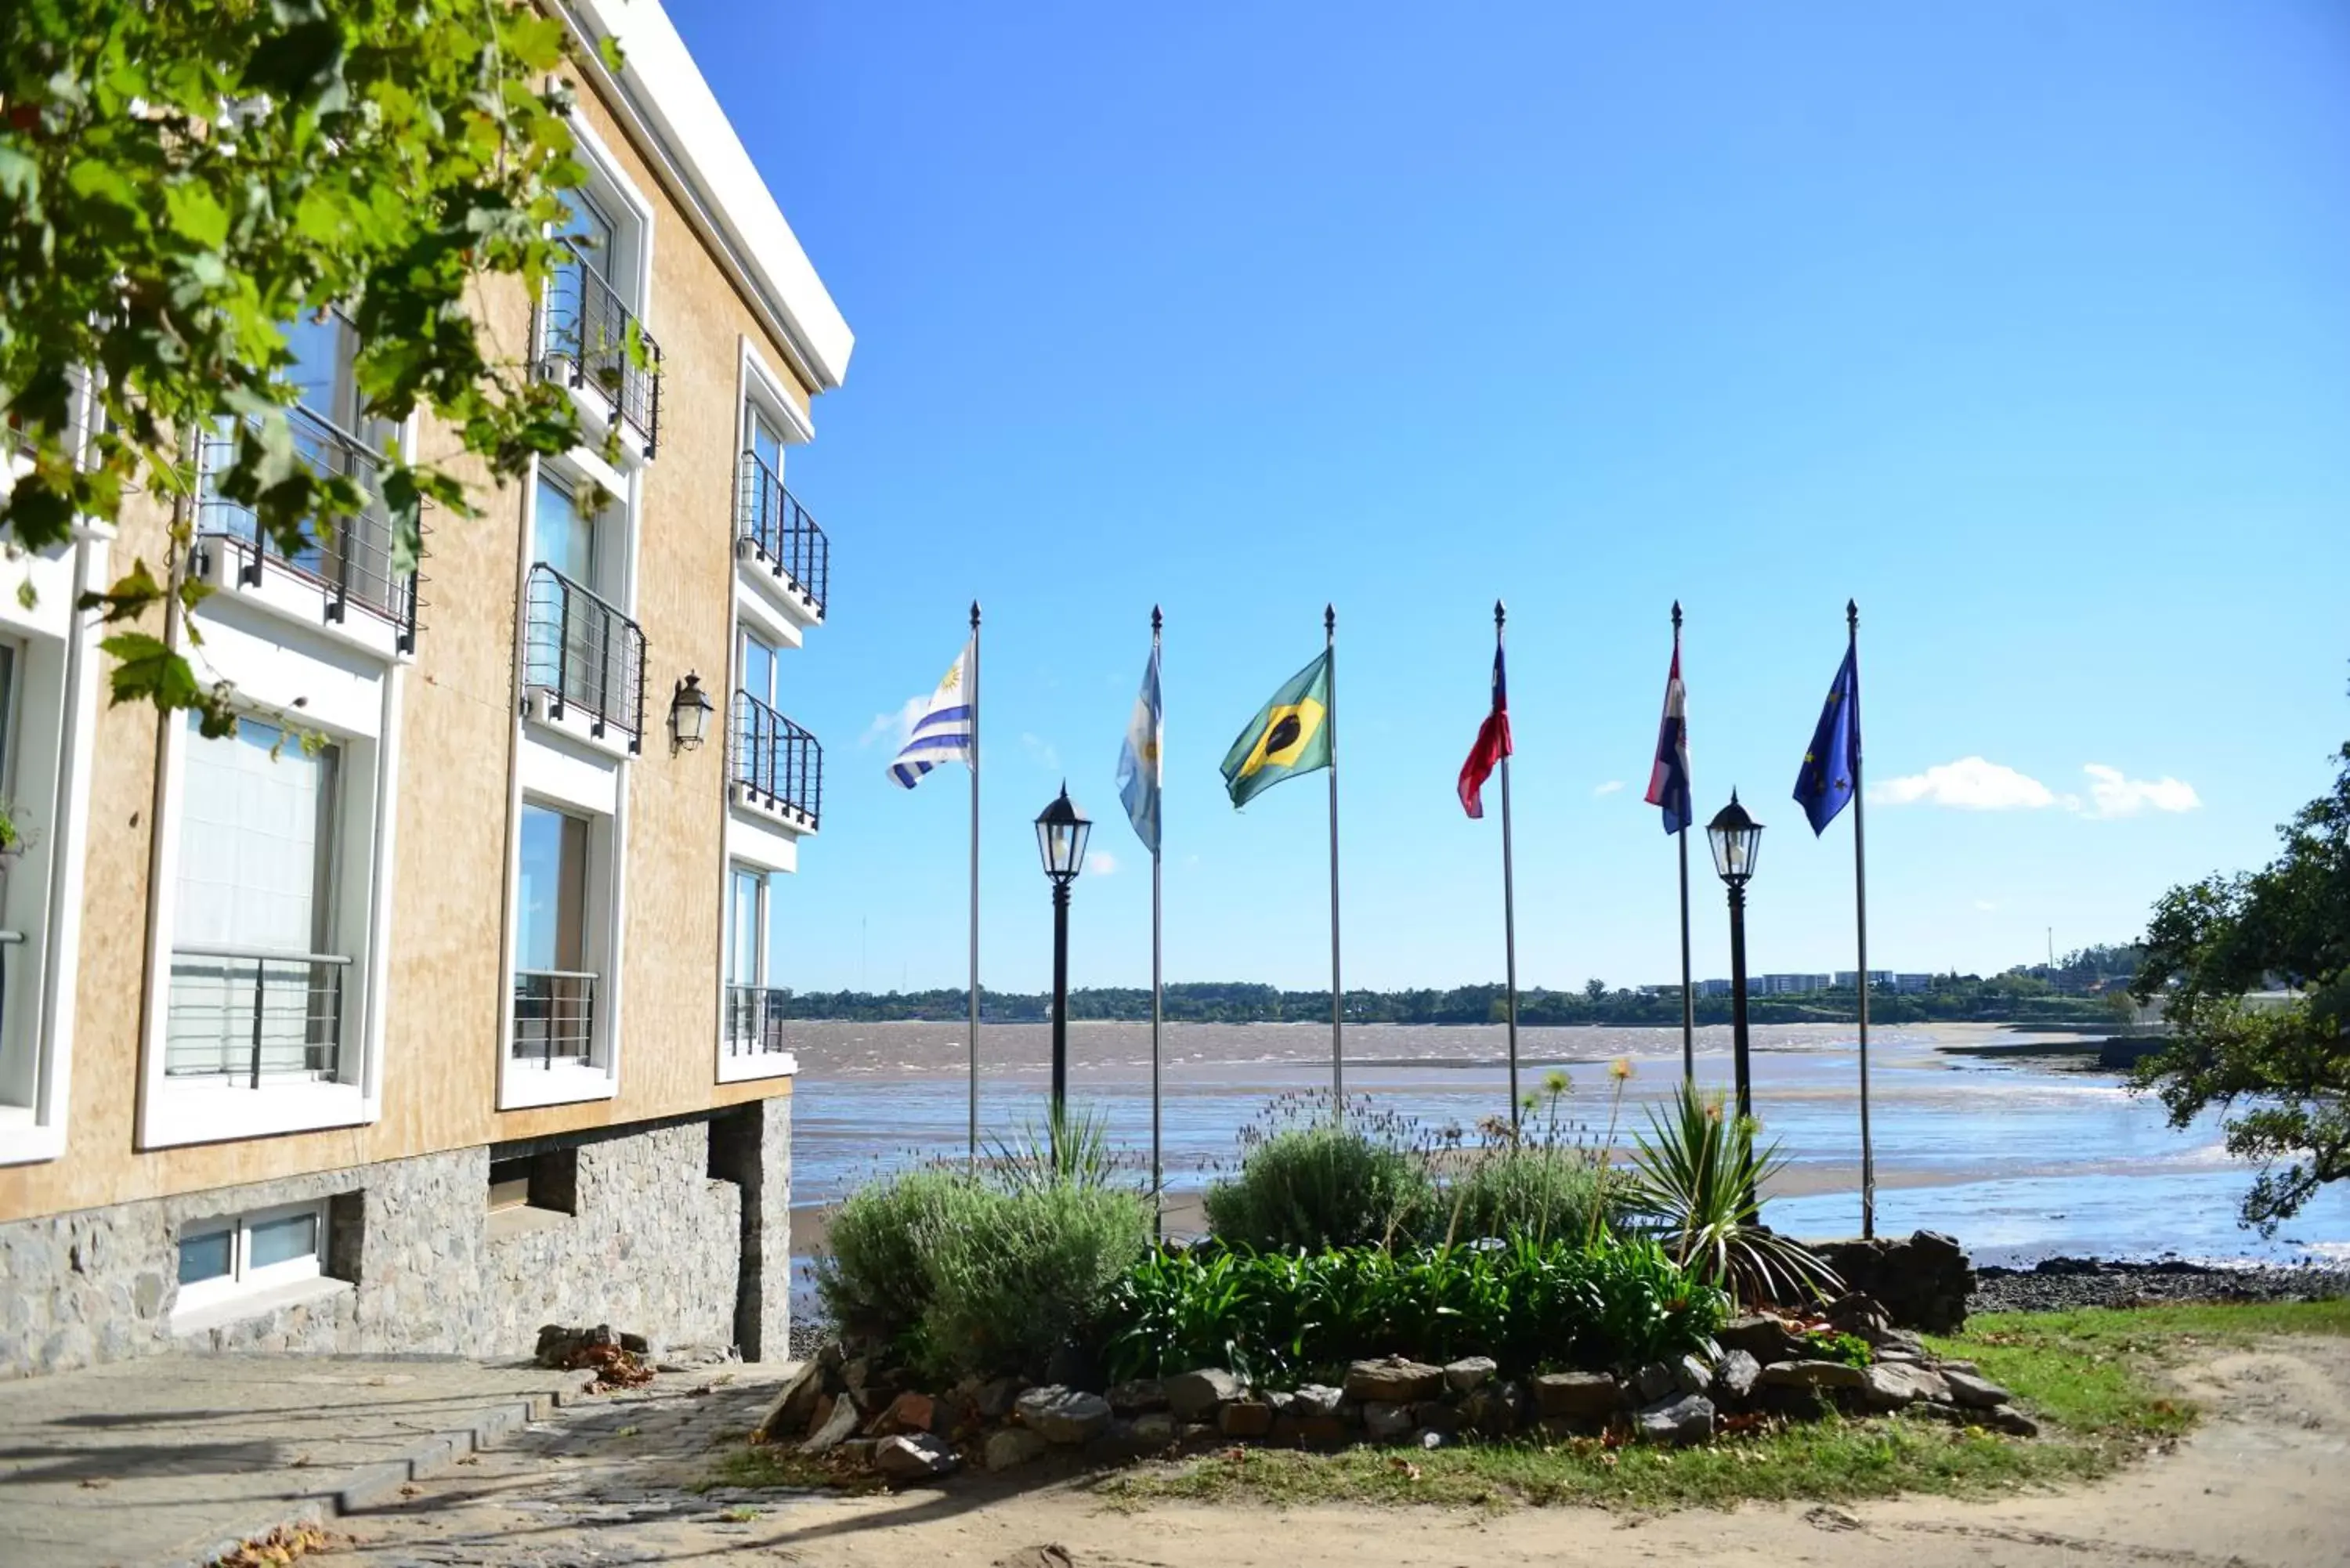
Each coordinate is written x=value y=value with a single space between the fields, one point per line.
x=1138 y=760
x=948 y=730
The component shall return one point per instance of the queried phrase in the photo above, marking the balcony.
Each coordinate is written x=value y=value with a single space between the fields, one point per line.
x=773 y=529
x=776 y=765
x=582 y=653
x=585 y=338
x=754 y=1021
x=554 y=1017
x=349 y=560
x=254 y=1015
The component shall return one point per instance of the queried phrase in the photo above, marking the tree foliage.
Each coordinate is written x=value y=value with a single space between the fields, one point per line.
x=2281 y=1073
x=180 y=181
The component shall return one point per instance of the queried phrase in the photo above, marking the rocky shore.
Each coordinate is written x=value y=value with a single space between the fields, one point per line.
x=2058 y=1284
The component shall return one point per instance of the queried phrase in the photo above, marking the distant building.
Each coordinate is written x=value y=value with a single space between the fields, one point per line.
x=1911 y=984
x=1792 y=984
x=1718 y=987
x=1848 y=980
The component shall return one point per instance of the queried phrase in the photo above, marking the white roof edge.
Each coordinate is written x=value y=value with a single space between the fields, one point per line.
x=668 y=90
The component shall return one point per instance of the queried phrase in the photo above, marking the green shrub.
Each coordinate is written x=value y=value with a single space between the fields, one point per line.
x=1315 y=1187
x=1280 y=1317
x=1698 y=1181
x=965 y=1276
x=1544 y=1193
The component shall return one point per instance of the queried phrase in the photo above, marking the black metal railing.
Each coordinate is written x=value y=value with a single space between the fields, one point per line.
x=554 y=1016
x=350 y=557
x=777 y=760
x=754 y=1020
x=584 y=653
x=771 y=521
x=254 y=1013
x=585 y=338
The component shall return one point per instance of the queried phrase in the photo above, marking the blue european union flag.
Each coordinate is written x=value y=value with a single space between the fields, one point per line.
x=1832 y=763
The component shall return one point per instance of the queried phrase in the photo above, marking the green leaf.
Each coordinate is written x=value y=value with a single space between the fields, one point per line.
x=95 y=181
x=146 y=670
x=196 y=215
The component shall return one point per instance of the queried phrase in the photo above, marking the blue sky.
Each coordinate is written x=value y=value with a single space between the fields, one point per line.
x=2027 y=327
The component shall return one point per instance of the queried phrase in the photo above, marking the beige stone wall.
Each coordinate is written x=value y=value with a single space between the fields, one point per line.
x=448 y=982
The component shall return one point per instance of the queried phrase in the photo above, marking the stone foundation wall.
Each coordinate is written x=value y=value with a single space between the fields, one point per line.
x=656 y=1243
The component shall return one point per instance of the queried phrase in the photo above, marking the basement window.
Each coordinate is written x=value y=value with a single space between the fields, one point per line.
x=235 y=1255
x=533 y=1189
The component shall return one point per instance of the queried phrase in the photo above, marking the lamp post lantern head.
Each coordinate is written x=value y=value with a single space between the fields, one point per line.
x=1061 y=830
x=689 y=715
x=1736 y=838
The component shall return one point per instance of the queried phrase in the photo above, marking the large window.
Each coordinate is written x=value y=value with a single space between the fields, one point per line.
x=258 y=974
x=554 y=979
x=753 y=1016
x=579 y=645
x=591 y=333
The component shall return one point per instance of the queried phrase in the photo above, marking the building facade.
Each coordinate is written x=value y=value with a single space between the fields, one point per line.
x=452 y=1019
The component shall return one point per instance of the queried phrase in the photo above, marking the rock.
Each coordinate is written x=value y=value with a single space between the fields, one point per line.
x=908 y=1457
x=1394 y=1381
x=636 y=1343
x=993 y=1400
x=1975 y=1393
x=1921 y=1281
x=1013 y=1447
x=1654 y=1382
x=1384 y=1420
x=1135 y=1398
x=1735 y=1375
x=856 y=1372
x=1470 y=1372
x=1430 y=1439
x=1437 y=1415
x=838 y=1427
x=1811 y=1375
x=1857 y=1313
x=1244 y=1418
x=1490 y=1411
x=1312 y=1431
x=1684 y=1419
x=794 y=1408
x=1968 y=1367
x=1312 y=1400
x=1766 y=1339
x=1194 y=1396
x=1895 y=1342
x=908 y=1412
x=857 y=1453
x=1155 y=1430
x=2009 y=1419
x=1577 y=1395
x=1061 y=1414
x=1690 y=1375
x=1890 y=1385
x=1949 y=1415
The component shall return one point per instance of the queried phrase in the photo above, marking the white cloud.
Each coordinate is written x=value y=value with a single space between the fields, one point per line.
x=1101 y=863
x=2112 y=795
x=1971 y=783
x=1986 y=905
x=1041 y=751
x=1610 y=787
x=894 y=727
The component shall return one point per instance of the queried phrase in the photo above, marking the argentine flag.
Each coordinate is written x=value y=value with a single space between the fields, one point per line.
x=1138 y=761
x=946 y=731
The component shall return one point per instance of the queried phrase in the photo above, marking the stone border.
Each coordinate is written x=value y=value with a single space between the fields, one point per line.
x=371 y=1485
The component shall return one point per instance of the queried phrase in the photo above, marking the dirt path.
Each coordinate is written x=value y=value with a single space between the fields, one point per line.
x=2264 y=1483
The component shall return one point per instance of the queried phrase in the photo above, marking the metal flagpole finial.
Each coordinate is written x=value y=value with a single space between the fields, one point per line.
x=1677 y=614
x=974 y=615
x=1501 y=614
x=1852 y=614
x=1329 y=620
x=1157 y=621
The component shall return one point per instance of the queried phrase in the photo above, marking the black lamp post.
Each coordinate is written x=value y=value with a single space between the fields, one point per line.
x=689 y=715
x=1736 y=838
x=1061 y=830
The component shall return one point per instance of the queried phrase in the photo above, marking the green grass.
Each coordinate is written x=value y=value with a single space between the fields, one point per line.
x=783 y=1467
x=2092 y=1377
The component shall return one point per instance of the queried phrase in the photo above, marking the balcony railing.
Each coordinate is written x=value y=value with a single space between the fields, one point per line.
x=554 y=1016
x=584 y=653
x=584 y=333
x=781 y=764
x=779 y=530
x=254 y=1013
x=350 y=557
x=754 y=1021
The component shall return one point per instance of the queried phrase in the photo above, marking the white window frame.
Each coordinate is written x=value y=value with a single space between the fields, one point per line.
x=244 y=1280
x=287 y=674
x=760 y=597
x=616 y=585
x=620 y=201
x=557 y=774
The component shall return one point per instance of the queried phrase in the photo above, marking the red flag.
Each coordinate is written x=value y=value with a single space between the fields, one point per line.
x=1492 y=745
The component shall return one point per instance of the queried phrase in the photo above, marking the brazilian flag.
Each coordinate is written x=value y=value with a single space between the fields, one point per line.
x=1289 y=736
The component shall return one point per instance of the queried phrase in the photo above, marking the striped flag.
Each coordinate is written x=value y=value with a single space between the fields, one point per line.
x=1668 y=781
x=947 y=730
x=1138 y=759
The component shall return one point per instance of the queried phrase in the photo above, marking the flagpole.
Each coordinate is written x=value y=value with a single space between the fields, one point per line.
x=1689 y=1004
x=1860 y=914
x=973 y=1151
x=1509 y=899
x=1338 y=991
x=1157 y=980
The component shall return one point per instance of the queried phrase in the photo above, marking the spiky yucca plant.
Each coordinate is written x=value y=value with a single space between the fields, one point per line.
x=1697 y=1178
